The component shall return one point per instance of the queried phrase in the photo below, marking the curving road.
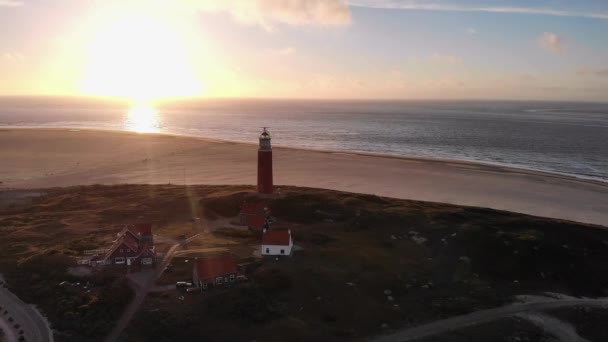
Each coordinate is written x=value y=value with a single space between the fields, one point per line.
x=35 y=326
x=7 y=330
x=483 y=316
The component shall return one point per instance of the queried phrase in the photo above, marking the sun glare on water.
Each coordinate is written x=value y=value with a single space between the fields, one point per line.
x=142 y=118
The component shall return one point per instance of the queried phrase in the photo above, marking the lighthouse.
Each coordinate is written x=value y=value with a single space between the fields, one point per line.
x=265 y=164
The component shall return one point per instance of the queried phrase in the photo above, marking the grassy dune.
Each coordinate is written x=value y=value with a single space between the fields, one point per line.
x=436 y=260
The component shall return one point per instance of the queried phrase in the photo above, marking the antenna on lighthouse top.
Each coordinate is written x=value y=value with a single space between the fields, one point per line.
x=265 y=133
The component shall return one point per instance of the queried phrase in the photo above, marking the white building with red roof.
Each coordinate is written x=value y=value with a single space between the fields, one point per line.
x=133 y=245
x=214 y=271
x=276 y=242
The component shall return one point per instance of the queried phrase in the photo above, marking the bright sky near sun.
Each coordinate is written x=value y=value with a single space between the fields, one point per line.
x=398 y=49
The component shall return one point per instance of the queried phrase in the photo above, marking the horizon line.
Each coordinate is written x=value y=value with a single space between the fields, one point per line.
x=456 y=8
x=200 y=98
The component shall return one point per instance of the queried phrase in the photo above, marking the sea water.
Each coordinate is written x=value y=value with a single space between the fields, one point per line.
x=562 y=137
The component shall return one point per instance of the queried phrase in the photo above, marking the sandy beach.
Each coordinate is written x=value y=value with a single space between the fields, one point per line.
x=41 y=158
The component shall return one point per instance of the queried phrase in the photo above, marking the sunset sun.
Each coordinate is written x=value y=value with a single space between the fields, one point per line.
x=139 y=57
x=303 y=170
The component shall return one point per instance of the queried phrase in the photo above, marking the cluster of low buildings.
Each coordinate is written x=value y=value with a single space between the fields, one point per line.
x=219 y=270
x=134 y=244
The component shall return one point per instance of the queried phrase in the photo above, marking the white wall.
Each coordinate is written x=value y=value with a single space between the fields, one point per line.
x=276 y=250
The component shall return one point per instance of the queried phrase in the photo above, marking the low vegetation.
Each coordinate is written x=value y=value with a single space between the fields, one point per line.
x=364 y=264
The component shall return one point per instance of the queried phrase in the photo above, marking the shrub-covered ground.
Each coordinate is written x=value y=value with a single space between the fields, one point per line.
x=365 y=264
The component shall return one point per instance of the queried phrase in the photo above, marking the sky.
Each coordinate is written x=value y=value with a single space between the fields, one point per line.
x=354 y=49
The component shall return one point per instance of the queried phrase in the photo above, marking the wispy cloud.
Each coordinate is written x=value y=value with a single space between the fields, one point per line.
x=430 y=6
x=286 y=51
x=267 y=13
x=10 y=3
x=586 y=71
x=446 y=59
x=471 y=30
x=12 y=57
x=551 y=42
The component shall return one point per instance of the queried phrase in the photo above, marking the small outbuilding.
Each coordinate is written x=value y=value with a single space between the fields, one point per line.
x=255 y=214
x=276 y=242
x=214 y=271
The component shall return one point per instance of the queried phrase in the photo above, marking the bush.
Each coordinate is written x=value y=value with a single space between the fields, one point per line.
x=273 y=280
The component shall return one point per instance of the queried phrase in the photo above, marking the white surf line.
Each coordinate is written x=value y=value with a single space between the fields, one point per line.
x=563 y=331
x=482 y=316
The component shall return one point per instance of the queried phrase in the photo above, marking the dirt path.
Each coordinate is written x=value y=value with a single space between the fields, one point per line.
x=482 y=316
x=142 y=290
x=35 y=326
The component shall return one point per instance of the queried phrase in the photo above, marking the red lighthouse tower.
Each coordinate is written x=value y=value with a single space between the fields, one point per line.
x=265 y=164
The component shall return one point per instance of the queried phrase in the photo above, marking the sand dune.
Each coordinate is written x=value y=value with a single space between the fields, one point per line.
x=36 y=158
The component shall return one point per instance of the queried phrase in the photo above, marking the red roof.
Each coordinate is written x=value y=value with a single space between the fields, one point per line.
x=131 y=237
x=131 y=242
x=254 y=208
x=256 y=222
x=276 y=238
x=255 y=213
x=142 y=228
x=215 y=266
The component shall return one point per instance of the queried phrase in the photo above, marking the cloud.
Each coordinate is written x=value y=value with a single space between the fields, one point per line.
x=471 y=30
x=526 y=77
x=12 y=57
x=428 y=6
x=551 y=42
x=286 y=51
x=446 y=59
x=267 y=13
x=10 y=3
x=599 y=72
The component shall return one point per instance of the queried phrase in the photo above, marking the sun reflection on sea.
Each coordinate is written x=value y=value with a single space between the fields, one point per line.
x=142 y=118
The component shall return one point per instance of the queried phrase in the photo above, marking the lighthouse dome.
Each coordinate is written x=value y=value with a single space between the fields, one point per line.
x=265 y=141
x=265 y=134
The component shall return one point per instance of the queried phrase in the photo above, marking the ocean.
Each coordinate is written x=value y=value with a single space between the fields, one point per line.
x=561 y=137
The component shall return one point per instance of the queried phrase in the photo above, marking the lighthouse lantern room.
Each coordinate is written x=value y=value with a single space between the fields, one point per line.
x=265 y=164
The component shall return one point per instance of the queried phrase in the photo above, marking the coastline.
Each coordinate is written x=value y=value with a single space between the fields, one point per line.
x=491 y=167
x=54 y=157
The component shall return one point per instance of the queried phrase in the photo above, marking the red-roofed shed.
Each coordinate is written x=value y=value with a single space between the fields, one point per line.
x=254 y=214
x=214 y=271
x=277 y=242
x=276 y=238
x=143 y=228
